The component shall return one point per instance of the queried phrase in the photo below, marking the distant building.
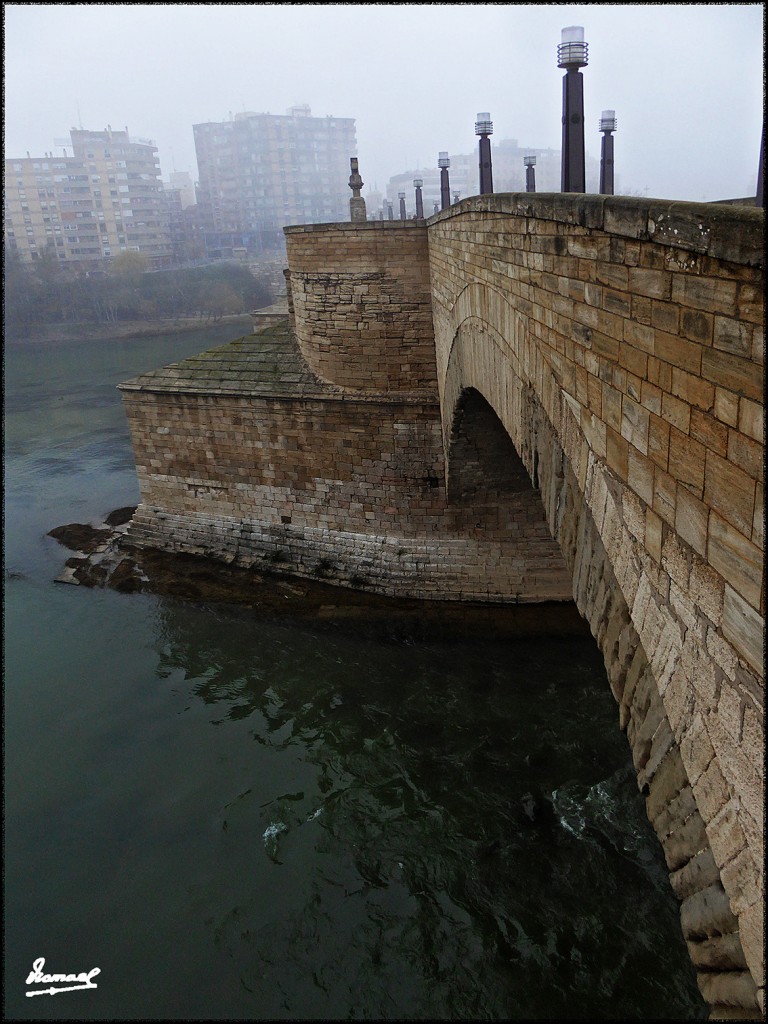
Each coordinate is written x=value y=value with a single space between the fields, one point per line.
x=182 y=180
x=105 y=198
x=461 y=176
x=508 y=175
x=259 y=172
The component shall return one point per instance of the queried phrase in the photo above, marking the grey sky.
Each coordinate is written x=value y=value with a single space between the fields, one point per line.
x=686 y=81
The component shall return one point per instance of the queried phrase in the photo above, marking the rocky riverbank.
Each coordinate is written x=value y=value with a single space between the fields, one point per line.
x=104 y=557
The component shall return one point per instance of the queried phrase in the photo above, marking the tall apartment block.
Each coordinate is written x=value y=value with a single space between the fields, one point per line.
x=86 y=208
x=259 y=172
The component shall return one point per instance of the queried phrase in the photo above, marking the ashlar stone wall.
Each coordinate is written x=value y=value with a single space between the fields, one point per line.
x=638 y=326
x=244 y=455
x=361 y=302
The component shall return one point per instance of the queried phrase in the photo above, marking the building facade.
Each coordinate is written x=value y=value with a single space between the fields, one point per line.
x=104 y=199
x=464 y=176
x=260 y=172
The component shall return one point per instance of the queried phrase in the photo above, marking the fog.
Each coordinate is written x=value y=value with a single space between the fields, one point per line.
x=686 y=81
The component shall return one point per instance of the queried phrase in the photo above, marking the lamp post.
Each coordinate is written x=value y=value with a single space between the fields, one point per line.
x=484 y=128
x=436 y=207
x=760 y=190
x=572 y=54
x=401 y=197
x=530 y=172
x=417 y=183
x=390 y=211
x=608 y=124
x=456 y=196
x=445 y=189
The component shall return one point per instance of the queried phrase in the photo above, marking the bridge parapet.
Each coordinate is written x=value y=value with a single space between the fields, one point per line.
x=638 y=326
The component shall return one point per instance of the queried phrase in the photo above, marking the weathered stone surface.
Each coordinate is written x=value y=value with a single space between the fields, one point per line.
x=699 y=873
x=728 y=988
x=261 y=485
x=619 y=343
x=669 y=781
x=707 y=913
x=267 y=592
x=692 y=572
x=688 y=839
x=80 y=536
x=720 y=953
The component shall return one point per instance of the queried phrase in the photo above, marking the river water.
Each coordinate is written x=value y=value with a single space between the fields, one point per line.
x=235 y=818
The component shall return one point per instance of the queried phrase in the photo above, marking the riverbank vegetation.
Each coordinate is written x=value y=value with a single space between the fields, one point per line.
x=47 y=293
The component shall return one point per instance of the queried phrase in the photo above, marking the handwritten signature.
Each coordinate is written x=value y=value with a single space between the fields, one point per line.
x=36 y=977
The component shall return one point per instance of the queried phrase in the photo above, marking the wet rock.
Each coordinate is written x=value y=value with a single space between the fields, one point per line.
x=120 y=516
x=82 y=570
x=80 y=536
x=125 y=577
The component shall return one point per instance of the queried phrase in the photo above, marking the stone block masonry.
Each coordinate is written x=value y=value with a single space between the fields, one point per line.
x=525 y=398
x=639 y=328
x=362 y=304
x=243 y=454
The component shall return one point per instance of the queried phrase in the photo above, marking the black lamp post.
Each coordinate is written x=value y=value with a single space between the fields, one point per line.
x=401 y=197
x=760 y=190
x=484 y=128
x=530 y=173
x=390 y=211
x=417 y=183
x=572 y=54
x=608 y=124
x=445 y=189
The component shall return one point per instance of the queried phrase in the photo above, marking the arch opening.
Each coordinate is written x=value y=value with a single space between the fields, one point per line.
x=489 y=485
x=483 y=462
x=483 y=359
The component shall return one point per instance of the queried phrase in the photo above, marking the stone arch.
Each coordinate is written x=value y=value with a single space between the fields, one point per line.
x=491 y=353
x=482 y=458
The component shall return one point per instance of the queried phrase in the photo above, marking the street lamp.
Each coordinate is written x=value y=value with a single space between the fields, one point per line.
x=484 y=128
x=456 y=196
x=572 y=54
x=608 y=124
x=760 y=190
x=390 y=212
x=436 y=207
x=445 y=189
x=401 y=197
x=530 y=172
x=417 y=183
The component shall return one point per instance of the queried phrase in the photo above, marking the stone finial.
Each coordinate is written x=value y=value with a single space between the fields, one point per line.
x=356 y=203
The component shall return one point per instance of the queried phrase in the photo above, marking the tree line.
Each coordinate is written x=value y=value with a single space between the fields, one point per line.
x=45 y=292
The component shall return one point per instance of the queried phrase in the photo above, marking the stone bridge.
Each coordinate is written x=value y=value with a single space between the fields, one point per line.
x=525 y=398
x=620 y=344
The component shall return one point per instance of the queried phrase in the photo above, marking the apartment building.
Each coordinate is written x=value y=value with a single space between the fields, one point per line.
x=508 y=175
x=104 y=198
x=259 y=172
x=462 y=178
